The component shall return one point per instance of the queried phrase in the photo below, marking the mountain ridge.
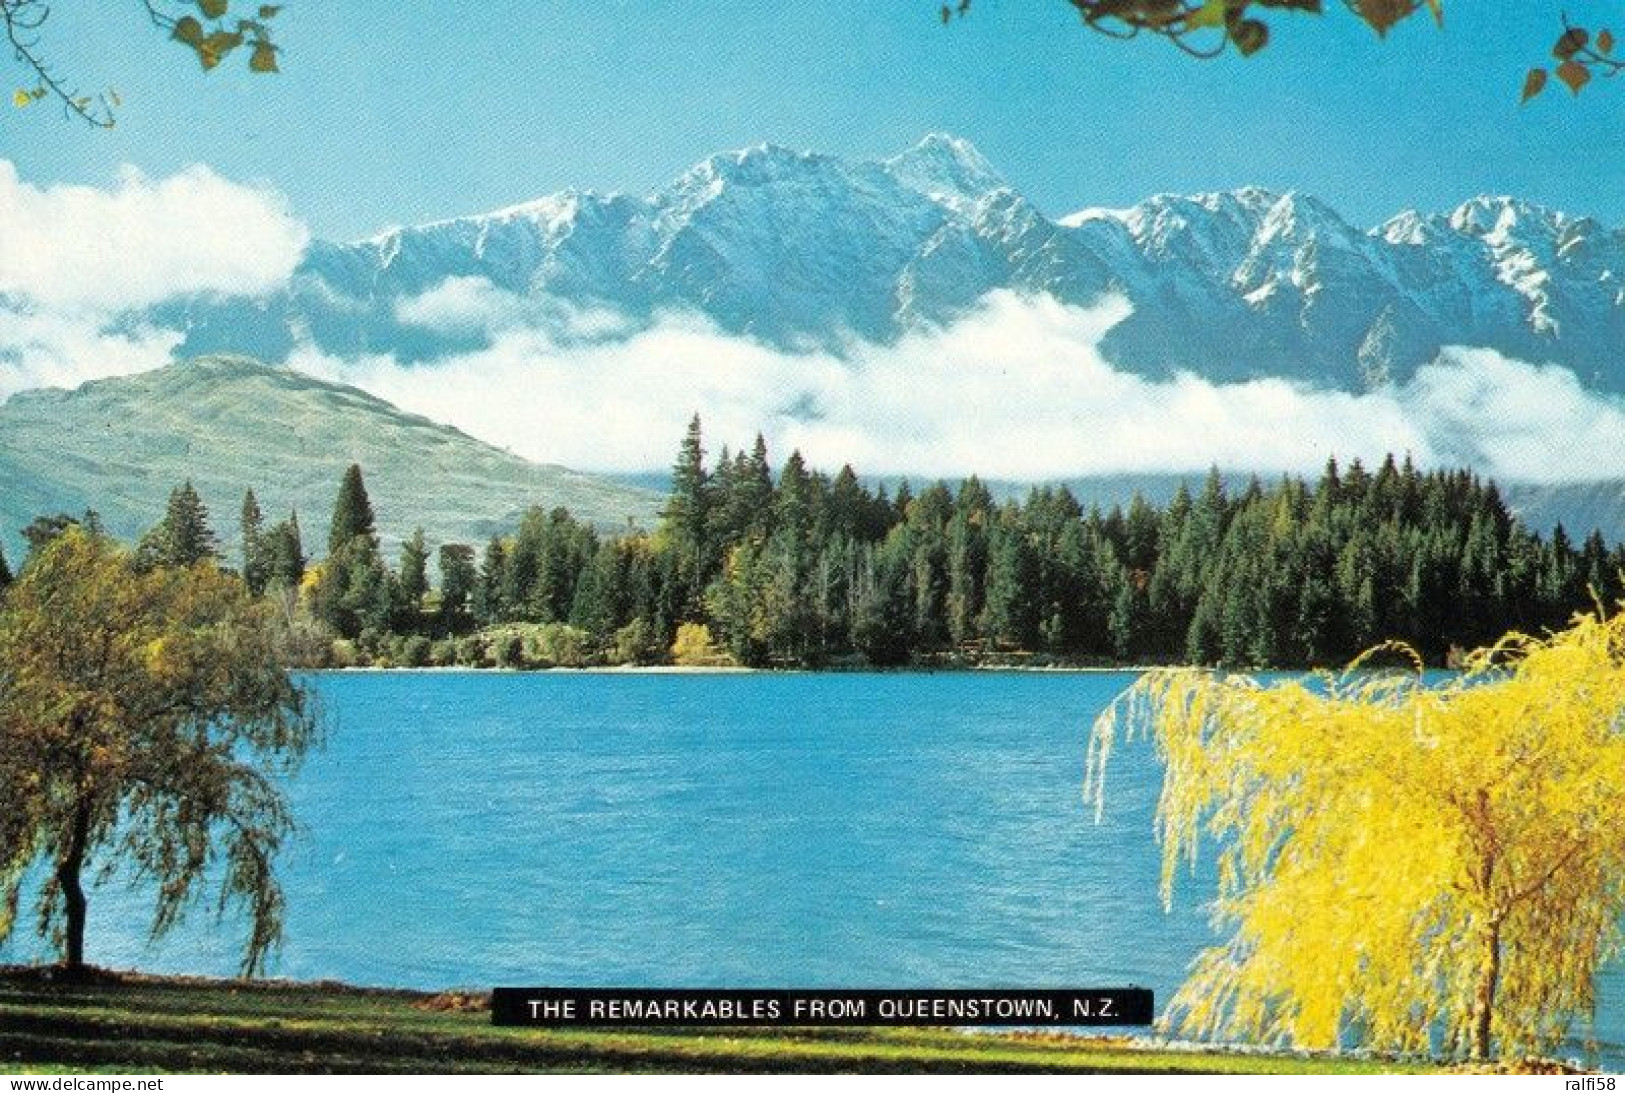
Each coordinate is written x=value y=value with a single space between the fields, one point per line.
x=797 y=248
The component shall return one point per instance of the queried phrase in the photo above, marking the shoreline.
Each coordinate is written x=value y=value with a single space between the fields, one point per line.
x=741 y=670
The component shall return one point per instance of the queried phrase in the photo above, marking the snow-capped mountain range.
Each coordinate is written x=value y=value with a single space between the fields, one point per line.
x=797 y=248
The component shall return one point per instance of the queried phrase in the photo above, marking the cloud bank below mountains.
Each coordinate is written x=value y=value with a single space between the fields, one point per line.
x=1017 y=388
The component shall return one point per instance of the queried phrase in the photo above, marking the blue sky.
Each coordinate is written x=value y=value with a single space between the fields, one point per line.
x=405 y=111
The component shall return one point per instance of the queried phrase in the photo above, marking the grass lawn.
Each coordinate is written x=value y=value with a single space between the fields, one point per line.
x=141 y=1023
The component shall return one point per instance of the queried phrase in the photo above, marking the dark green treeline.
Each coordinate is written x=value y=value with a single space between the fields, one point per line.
x=795 y=567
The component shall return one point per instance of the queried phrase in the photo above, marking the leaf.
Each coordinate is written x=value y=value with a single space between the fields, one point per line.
x=1250 y=36
x=1575 y=74
x=1437 y=8
x=1534 y=83
x=1383 y=14
x=264 y=58
x=1572 y=41
x=21 y=98
x=1605 y=41
x=269 y=11
x=223 y=42
x=213 y=9
x=188 y=30
x=1210 y=14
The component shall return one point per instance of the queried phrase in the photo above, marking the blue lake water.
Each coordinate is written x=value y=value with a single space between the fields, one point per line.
x=841 y=830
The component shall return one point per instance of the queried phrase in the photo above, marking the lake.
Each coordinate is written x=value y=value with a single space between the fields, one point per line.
x=618 y=829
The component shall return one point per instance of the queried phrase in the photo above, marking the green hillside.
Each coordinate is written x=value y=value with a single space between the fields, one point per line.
x=230 y=423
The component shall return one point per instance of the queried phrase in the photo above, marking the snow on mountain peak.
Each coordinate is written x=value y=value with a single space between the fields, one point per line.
x=1295 y=216
x=754 y=166
x=1409 y=228
x=800 y=248
x=1499 y=217
x=947 y=169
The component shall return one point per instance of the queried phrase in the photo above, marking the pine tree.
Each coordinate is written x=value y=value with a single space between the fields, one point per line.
x=901 y=503
x=256 y=553
x=688 y=518
x=848 y=504
x=414 y=571
x=967 y=561
x=883 y=615
x=352 y=512
x=599 y=604
x=489 y=604
x=286 y=563
x=1127 y=623
x=183 y=537
x=1011 y=615
x=458 y=581
x=5 y=571
x=1140 y=533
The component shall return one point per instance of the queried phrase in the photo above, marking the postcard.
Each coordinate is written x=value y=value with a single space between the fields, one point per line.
x=1077 y=536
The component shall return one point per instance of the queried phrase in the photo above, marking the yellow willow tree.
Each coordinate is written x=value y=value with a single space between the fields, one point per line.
x=1423 y=869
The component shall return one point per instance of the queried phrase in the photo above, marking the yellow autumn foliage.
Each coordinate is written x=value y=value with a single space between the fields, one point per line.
x=1435 y=868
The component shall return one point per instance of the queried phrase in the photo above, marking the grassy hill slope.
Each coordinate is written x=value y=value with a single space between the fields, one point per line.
x=229 y=423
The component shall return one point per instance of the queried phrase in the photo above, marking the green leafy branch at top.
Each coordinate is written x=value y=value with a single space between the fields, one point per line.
x=211 y=29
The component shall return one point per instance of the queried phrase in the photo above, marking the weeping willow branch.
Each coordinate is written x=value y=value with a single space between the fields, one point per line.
x=1422 y=866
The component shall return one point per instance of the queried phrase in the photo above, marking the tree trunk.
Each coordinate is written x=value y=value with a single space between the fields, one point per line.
x=1489 y=973
x=68 y=876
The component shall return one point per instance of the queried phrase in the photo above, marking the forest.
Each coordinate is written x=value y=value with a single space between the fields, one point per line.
x=796 y=568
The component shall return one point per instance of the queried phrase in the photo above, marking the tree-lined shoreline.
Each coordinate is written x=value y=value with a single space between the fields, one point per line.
x=795 y=568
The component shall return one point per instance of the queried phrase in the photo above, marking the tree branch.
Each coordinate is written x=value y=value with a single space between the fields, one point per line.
x=22 y=18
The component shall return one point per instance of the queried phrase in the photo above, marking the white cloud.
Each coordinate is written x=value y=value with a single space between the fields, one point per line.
x=143 y=240
x=1017 y=390
x=73 y=258
x=464 y=305
x=53 y=350
x=460 y=304
x=1486 y=410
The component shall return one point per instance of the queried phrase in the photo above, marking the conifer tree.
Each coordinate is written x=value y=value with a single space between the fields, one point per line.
x=489 y=605
x=286 y=565
x=256 y=554
x=352 y=512
x=688 y=517
x=883 y=615
x=458 y=584
x=183 y=537
x=1011 y=615
x=414 y=571
x=356 y=591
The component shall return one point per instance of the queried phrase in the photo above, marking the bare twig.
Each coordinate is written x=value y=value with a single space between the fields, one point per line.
x=23 y=19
